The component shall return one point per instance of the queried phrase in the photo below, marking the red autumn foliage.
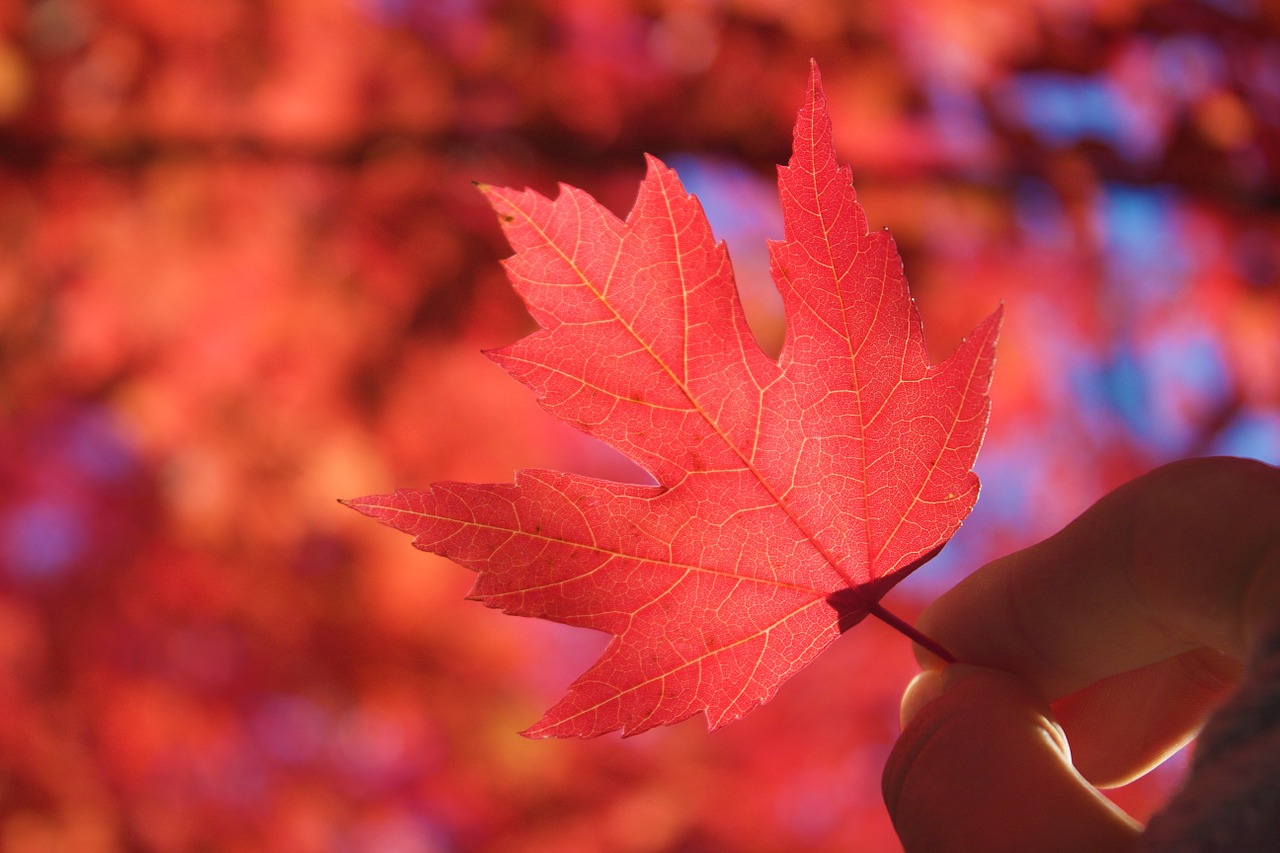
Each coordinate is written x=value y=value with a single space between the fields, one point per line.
x=791 y=495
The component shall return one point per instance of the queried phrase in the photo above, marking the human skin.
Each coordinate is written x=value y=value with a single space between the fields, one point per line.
x=1086 y=659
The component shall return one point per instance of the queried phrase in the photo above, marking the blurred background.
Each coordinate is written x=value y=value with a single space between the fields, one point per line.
x=243 y=272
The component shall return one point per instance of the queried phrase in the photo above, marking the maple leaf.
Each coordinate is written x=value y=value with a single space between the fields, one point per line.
x=790 y=495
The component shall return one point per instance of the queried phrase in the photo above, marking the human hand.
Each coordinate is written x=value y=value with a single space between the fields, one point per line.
x=1133 y=620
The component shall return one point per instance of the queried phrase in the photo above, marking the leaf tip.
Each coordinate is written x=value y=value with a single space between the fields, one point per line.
x=542 y=730
x=361 y=505
x=815 y=78
x=991 y=325
x=498 y=355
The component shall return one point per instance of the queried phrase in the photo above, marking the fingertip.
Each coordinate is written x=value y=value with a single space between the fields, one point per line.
x=922 y=690
x=982 y=765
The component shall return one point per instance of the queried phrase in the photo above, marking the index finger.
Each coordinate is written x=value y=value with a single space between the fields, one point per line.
x=1187 y=556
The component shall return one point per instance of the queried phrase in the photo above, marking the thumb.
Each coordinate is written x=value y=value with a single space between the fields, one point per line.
x=982 y=766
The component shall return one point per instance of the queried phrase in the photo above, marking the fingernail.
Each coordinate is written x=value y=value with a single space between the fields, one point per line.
x=922 y=690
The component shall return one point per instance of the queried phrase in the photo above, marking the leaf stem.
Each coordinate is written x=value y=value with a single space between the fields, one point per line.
x=918 y=638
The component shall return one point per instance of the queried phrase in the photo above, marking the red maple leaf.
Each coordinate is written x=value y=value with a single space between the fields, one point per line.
x=790 y=495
